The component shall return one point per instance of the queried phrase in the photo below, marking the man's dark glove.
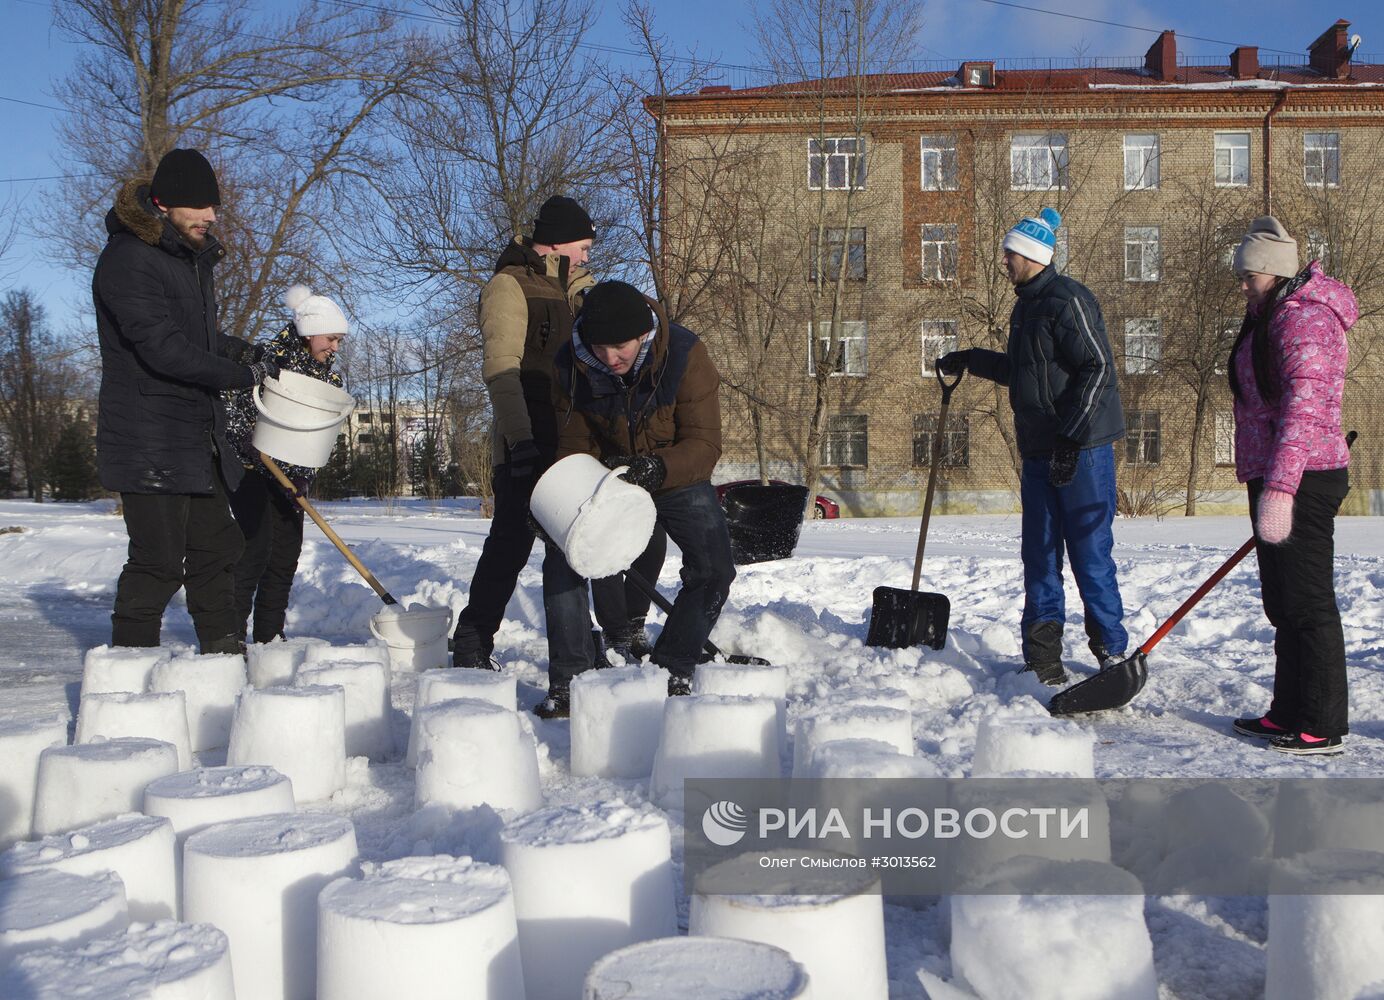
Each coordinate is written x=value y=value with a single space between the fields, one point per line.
x=524 y=459
x=954 y=363
x=645 y=471
x=300 y=486
x=537 y=530
x=265 y=367
x=1062 y=466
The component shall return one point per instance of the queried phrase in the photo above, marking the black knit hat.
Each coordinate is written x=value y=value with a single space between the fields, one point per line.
x=614 y=313
x=562 y=220
x=184 y=179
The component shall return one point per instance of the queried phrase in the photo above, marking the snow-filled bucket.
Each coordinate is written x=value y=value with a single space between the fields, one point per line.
x=600 y=522
x=299 y=418
x=694 y=968
x=416 y=636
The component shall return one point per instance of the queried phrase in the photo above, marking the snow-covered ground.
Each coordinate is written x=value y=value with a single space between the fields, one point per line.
x=810 y=614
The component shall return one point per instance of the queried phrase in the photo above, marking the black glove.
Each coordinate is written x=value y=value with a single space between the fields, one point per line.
x=300 y=486
x=1062 y=466
x=537 y=529
x=524 y=459
x=258 y=352
x=645 y=471
x=954 y=363
x=264 y=368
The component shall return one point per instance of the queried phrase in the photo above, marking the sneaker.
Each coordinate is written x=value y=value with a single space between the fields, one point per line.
x=679 y=686
x=1295 y=744
x=1050 y=674
x=1258 y=727
x=558 y=704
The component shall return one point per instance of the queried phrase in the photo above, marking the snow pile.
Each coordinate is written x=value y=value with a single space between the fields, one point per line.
x=1034 y=744
x=617 y=715
x=120 y=668
x=885 y=724
x=587 y=880
x=866 y=759
x=160 y=716
x=137 y=848
x=82 y=784
x=365 y=687
x=298 y=731
x=258 y=880
x=697 y=968
x=432 y=686
x=211 y=684
x=713 y=736
x=50 y=907
x=472 y=753
x=272 y=664
x=21 y=742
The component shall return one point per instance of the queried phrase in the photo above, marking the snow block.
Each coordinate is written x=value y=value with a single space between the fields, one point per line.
x=617 y=715
x=158 y=716
x=1312 y=815
x=866 y=759
x=211 y=684
x=975 y=858
x=298 y=731
x=194 y=800
x=747 y=680
x=1054 y=947
x=21 y=742
x=271 y=664
x=837 y=938
x=55 y=908
x=714 y=736
x=1326 y=939
x=258 y=880
x=1043 y=744
x=587 y=880
x=868 y=694
x=421 y=928
x=120 y=668
x=494 y=686
x=366 y=690
x=365 y=652
x=137 y=848
x=94 y=781
x=696 y=968
x=163 y=961
x=473 y=753
x=893 y=726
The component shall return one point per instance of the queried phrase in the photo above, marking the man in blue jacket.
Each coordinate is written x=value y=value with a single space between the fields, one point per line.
x=161 y=426
x=1067 y=414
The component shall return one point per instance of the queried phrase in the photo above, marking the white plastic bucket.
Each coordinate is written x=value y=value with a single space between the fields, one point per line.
x=416 y=636
x=600 y=522
x=299 y=418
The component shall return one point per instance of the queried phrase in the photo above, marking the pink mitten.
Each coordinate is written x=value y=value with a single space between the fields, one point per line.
x=1275 y=516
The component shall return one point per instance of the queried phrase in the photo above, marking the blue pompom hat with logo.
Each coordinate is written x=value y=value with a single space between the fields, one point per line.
x=1035 y=239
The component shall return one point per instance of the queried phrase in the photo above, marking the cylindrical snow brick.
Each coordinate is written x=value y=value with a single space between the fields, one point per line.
x=1032 y=744
x=300 y=732
x=270 y=664
x=55 y=908
x=258 y=880
x=193 y=800
x=617 y=715
x=157 y=716
x=747 y=680
x=120 y=668
x=495 y=686
x=82 y=784
x=21 y=742
x=366 y=689
x=697 y=968
x=366 y=652
x=473 y=753
x=713 y=736
x=211 y=684
x=850 y=722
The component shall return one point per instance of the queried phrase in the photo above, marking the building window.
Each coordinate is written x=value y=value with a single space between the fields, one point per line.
x=939 y=338
x=1232 y=159
x=835 y=164
x=1228 y=332
x=1038 y=162
x=1140 y=162
x=1321 y=158
x=956 y=443
x=939 y=253
x=846 y=443
x=1225 y=438
x=1141 y=437
x=1141 y=253
x=1061 y=251
x=850 y=347
x=365 y=439
x=939 y=162
x=1318 y=247
x=840 y=244
x=1143 y=345
x=364 y=418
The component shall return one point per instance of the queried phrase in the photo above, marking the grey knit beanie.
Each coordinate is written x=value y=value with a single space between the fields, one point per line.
x=1267 y=249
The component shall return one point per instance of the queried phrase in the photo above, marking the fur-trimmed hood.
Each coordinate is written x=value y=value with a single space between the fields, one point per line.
x=134 y=212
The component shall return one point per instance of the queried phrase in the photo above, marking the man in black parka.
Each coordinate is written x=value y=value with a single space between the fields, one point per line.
x=160 y=438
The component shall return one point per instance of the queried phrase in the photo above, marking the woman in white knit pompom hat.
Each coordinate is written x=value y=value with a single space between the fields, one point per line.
x=270 y=519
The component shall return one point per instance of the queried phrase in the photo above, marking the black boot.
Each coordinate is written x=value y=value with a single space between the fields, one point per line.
x=474 y=660
x=226 y=645
x=679 y=686
x=558 y=704
x=630 y=643
x=1043 y=652
x=1049 y=673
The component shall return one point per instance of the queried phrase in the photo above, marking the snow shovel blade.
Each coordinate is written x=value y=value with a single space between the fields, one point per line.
x=1114 y=687
x=901 y=619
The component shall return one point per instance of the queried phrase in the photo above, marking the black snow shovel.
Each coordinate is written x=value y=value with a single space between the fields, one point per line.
x=651 y=592
x=900 y=618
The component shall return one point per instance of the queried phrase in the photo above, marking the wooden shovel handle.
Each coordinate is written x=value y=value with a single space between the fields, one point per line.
x=947 y=389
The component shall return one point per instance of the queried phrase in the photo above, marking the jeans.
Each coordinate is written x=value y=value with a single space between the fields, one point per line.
x=1078 y=517
x=693 y=519
x=272 y=526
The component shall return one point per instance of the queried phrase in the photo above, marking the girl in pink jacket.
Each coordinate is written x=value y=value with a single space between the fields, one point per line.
x=1287 y=372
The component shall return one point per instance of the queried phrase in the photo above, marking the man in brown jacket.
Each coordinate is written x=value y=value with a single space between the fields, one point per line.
x=633 y=389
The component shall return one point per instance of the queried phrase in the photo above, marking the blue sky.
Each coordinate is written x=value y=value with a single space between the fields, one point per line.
x=33 y=56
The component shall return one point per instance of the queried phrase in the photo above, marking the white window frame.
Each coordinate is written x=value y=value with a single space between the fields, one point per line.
x=839 y=245
x=1321 y=159
x=1318 y=247
x=1228 y=147
x=1223 y=448
x=836 y=163
x=1143 y=255
x=1143 y=345
x=938 y=337
x=846 y=447
x=1038 y=161
x=1229 y=330
x=956 y=443
x=1141 y=153
x=938 y=163
x=855 y=352
x=1141 y=440
x=938 y=251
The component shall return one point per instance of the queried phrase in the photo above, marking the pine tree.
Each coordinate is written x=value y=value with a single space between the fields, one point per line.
x=72 y=463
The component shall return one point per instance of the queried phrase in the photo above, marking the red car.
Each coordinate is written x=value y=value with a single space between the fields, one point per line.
x=822 y=507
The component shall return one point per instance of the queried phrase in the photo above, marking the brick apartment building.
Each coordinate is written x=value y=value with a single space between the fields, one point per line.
x=907 y=183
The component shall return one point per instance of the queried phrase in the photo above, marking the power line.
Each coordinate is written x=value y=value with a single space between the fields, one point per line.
x=53 y=177
x=34 y=104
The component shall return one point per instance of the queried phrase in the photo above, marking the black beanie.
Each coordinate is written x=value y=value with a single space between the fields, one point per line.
x=184 y=179
x=562 y=220
x=614 y=313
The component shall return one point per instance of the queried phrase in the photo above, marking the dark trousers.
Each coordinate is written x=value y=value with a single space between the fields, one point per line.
x=693 y=519
x=272 y=526
x=177 y=540
x=503 y=557
x=1295 y=578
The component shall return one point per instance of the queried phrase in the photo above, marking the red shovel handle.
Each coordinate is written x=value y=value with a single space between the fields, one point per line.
x=1197 y=595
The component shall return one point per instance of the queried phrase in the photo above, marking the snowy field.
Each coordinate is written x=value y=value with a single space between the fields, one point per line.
x=808 y=613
